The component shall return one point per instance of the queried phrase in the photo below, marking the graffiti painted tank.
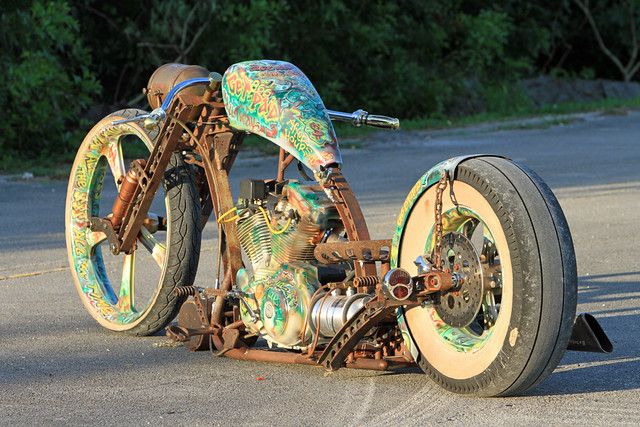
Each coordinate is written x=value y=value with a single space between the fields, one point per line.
x=275 y=100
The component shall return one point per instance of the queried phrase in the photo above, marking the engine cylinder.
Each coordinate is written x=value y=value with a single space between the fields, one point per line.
x=296 y=244
x=255 y=239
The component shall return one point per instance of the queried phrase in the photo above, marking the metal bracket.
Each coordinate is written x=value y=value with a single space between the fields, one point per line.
x=230 y=338
x=104 y=226
x=334 y=355
x=451 y=165
x=143 y=178
x=361 y=250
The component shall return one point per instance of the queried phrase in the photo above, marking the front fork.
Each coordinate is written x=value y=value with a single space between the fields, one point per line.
x=138 y=189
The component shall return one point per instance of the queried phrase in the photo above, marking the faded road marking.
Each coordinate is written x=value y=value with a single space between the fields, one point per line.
x=33 y=273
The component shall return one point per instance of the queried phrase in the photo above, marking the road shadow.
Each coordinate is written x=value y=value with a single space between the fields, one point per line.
x=598 y=288
x=584 y=373
x=580 y=372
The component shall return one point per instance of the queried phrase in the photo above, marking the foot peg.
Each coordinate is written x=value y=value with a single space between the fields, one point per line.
x=588 y=335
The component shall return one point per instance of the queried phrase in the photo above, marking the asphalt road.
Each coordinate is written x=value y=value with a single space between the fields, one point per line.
x=57 y=366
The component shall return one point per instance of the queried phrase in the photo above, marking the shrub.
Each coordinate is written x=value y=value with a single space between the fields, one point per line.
x=47 y=80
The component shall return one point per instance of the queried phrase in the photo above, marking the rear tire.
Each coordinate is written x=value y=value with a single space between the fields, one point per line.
x=538 y=282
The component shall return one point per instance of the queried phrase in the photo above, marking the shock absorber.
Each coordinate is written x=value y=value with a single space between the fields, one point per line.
x=126 y=193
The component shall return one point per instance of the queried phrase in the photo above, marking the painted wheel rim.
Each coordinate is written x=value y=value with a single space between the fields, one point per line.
x=111 y=303
x=455 y=352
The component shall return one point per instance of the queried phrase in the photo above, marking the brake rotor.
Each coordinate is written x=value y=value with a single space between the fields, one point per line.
x=460 y=307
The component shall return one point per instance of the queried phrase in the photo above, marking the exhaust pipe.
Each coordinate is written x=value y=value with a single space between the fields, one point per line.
x=587 y=335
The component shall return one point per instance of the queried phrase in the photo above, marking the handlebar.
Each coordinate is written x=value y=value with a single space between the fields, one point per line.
x=150 y=119
x=357 y=118
x=362 y=118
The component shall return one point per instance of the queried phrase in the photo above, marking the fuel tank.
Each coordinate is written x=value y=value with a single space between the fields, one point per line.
x=275 y=100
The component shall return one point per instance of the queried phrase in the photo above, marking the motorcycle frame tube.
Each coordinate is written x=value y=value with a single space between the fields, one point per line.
x=295 y=358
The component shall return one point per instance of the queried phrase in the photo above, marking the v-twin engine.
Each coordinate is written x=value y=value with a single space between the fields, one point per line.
x=282 y=297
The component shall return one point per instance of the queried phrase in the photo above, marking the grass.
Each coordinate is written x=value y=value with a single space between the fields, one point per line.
x=256 y=143
x=59 y=167
x=47 y=168
x=607 y=106
x=348 y=136
x=537 y=125
x=351 y=137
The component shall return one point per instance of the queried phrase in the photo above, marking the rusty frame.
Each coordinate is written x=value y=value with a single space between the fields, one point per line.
x=216 y=144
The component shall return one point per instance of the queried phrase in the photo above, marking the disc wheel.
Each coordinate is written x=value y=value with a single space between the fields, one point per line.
x=130 y=293
x=508 y=325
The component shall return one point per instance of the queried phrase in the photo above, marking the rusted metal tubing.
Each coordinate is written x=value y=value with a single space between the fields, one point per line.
x=351 y=215
x=371 y=364
x=293 y=358
x=399 y=360
x=281 y=156
x=268 y=356
x=287 y=161
x=218 y=306
x=284 y=160
x=384 y=268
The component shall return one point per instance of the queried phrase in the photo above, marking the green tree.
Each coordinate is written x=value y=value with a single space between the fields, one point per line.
x=410 y=58
x=624 y=16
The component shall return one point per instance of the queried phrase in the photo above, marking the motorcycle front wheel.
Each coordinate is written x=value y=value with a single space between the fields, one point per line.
x=131 y=293
x=504 y=233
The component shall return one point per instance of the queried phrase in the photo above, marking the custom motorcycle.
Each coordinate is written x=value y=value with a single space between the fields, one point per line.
x=477 y=285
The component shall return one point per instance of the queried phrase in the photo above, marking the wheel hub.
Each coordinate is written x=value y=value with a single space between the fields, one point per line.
x=460 y=307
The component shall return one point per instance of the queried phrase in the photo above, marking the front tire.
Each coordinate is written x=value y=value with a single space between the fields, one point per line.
x=164 y=260
x=529 y=287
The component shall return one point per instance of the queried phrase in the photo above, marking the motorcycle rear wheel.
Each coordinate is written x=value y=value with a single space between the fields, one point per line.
x=164 y=260
x=523 y=270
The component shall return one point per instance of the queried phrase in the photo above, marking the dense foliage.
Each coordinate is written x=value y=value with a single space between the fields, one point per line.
x=47 y=81
x=410 y=58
